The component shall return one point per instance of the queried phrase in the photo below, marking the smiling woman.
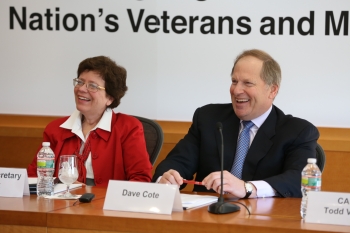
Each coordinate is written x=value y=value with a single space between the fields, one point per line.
x=108 y=145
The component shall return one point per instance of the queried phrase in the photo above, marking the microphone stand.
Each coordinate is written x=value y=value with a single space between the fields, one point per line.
x=222 y=207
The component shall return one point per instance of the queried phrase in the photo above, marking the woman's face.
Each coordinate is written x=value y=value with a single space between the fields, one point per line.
x=91 y=104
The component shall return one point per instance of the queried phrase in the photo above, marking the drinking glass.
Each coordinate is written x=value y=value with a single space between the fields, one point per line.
x=68 y=172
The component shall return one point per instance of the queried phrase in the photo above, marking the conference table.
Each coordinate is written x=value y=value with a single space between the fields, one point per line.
x=38 y=214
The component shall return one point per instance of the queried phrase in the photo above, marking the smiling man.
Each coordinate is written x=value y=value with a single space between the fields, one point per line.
x=264 y=149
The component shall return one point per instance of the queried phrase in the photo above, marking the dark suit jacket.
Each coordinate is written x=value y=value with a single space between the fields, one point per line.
x=277 y=154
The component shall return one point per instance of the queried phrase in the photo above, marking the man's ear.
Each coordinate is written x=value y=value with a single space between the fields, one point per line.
x=273 y=91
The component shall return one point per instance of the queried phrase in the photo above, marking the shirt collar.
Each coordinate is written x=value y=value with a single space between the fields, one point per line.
x=260 y=119
x=74 y=122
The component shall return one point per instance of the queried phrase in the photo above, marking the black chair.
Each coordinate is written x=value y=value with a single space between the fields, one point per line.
x=154 y=137
x=321 y=157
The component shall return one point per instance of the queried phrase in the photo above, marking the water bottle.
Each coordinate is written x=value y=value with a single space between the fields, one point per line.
x=45 y=170
x=310 y=181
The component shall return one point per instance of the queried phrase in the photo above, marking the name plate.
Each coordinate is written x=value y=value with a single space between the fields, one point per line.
x=13 y=182
x=142 y=197
x=328 y=208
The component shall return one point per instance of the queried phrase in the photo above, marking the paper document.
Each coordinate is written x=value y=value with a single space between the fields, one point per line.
x=62 y=187
x=58 y=187
x=59 y=196
x=191 y=200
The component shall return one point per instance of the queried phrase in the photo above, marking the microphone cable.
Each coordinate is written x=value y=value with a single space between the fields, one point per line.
x=243 y=205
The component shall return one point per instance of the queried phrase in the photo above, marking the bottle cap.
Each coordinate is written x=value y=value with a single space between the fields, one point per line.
x=311 y=160
x=46 y=144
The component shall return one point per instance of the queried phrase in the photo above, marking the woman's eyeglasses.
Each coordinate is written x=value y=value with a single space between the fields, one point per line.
x=92 y=87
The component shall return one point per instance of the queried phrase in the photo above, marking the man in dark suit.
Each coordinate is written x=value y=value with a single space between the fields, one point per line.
x=278 y=145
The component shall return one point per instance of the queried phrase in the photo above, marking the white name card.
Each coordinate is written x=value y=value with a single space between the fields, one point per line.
x=328 y=208
x=142 y=197
x=13 y=182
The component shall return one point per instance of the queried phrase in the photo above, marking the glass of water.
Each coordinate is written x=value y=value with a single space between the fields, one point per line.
x=68 y=172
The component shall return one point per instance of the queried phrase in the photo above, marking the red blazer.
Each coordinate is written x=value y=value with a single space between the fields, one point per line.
x=118 y=155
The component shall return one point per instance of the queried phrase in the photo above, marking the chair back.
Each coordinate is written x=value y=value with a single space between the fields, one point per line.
x=153 y=136
x=321 y=157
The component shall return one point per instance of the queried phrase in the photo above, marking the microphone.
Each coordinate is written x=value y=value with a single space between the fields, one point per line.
x=221 y=207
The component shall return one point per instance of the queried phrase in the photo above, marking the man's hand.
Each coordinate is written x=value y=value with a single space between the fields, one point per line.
x=171 y=177
x=231 y=184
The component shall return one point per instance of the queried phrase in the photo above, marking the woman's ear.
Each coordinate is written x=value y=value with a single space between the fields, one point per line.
x=110 y=100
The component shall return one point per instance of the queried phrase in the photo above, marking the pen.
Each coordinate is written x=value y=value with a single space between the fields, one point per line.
x=192 y=182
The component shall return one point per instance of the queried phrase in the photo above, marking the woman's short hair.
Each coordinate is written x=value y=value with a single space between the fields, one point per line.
x=113 y=75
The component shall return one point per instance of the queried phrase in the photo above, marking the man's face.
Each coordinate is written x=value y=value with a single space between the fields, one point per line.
x=250 y=95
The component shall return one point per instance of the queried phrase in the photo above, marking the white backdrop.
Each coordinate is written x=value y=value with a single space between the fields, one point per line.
x=170 y=74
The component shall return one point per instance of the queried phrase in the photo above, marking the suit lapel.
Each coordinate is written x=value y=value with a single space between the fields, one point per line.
x=260 y=146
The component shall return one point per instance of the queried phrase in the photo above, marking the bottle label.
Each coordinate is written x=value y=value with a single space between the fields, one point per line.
x=45 y=163
x=311 y=181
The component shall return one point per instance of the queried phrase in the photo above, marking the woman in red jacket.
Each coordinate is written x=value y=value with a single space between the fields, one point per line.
x=108 y=145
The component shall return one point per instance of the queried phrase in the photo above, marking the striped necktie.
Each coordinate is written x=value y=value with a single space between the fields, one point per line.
x=242 y=149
